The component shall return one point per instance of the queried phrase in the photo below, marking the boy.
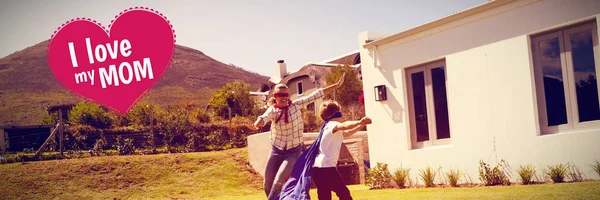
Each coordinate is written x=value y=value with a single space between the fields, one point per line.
x=325 y=173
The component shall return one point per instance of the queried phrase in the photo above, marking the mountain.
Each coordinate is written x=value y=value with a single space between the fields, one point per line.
x=28 y=87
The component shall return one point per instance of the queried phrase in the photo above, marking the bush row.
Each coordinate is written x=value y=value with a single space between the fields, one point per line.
x=380 y=177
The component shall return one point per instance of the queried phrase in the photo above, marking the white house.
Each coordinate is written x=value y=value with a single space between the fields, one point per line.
x=508 y=79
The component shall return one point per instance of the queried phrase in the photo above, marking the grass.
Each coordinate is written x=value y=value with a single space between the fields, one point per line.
x=215 y=175
x=579 y=190
x=165 y=176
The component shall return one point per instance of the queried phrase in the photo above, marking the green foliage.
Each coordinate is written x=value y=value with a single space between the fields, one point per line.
x=199 y=115
x=234 y=95
x=142 y=115
x=574 y=173
x=172 y=125
x=557 y=173
x=124 y=146
x=453 y=177
x=428 y=176
x=49 y=118
x=352 y=88
x=378 y=177
x=493 y=176
x=81 y=137
x=312 y=123
x=99 y=147
x=526 y=173
x=87 y=113
x=596 y=167
x=401 y=176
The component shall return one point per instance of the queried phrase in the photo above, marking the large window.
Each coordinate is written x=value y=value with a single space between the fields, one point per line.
x=565 y=65
x=428 y=105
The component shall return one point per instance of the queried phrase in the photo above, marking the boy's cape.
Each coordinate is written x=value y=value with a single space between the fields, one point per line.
x=298 y=185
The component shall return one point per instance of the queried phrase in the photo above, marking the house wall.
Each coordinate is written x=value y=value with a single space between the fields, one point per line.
x=491 y=92
x=307 y=86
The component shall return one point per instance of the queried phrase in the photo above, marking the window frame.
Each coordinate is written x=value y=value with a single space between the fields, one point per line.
x=430 y=107
x=300 y=87
x=569 y=85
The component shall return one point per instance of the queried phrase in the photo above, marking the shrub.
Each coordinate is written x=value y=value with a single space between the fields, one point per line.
x=401 y=176
x=596 y=167
x=453 y=177
x=379 y=177
x=81 y=137
x=312 y=122
x=428 y=176
x=124 y=146
x=557 y=173
x=49 y=118
x=199 y=115
x=493 y=176
x=86 y=113
x=142 y=115
x=99 y=147
x=526 y=173
x=172 y=125
x=574 y=173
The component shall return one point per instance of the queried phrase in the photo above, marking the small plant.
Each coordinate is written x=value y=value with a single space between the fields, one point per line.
x=557 y=173
x=526 y=173
x=453 y=177
x=428 y=176
x=493 y=176
x=124 y=146
x=379 y=177
x=596 y=167
x=574 y=173
x=400 y=176
x=98 y=148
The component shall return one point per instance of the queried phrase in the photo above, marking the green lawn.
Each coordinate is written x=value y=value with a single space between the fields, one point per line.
x=214 y=175
x=582 y=190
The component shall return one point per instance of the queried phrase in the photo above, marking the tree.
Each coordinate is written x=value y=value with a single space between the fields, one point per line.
x=352 y=88
x=87 y=113
x=234 y=95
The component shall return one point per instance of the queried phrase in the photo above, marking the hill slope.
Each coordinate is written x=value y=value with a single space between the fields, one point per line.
x=162 y=176
x=27 y=85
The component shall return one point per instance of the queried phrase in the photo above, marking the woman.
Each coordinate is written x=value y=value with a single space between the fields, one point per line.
x=287 y=130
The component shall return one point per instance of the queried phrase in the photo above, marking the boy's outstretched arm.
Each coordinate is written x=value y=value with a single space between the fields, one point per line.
x=348 y=125
x=351 y=132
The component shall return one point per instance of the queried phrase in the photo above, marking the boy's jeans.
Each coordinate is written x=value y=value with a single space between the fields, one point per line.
x=279 y=167
x=328 y=180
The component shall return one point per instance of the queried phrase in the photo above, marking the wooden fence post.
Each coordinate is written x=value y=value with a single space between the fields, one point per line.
x=60 y=130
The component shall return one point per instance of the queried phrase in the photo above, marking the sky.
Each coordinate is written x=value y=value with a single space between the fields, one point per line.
x=249 y=34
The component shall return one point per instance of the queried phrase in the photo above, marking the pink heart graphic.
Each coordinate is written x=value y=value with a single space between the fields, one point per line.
x=113 y=68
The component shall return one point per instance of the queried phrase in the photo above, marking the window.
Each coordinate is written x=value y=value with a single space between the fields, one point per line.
x=565 y=65
x=428 y=105
x=300 y=90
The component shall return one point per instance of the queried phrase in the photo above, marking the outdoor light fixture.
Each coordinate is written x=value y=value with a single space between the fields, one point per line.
x=380 y=93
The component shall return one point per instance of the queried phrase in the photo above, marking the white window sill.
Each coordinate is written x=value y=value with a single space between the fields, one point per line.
x=434 y=147
x=569 y=132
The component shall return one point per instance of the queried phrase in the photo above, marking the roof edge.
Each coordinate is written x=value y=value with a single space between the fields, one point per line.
x=338 y=57
x=439 y=22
